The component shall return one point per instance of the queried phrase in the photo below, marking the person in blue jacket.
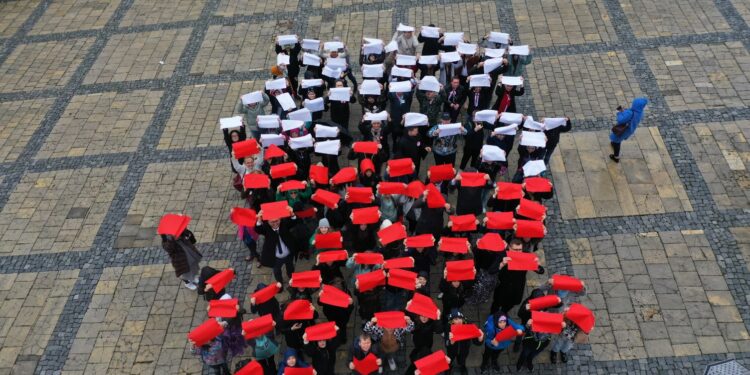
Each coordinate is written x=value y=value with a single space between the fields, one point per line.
x=630 y=117
x=291 y=359
x=495 y=324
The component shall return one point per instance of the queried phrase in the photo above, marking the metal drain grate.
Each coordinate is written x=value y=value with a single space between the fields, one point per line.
x=728 y=367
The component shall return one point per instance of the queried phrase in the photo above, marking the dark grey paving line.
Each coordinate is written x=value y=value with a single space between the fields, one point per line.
x=26 y=95
x=734 y=19
x=200 y=79
x=43 y=262
x=733 y=265
x=11 y=43
x=89 y=161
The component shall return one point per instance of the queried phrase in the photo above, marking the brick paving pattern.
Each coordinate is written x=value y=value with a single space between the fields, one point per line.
x=73 y=15
x=475 y=19
x=544 y=23
x=673 y=17
x=229 y=8
x=20 y=120
x=13 y=14
x=145 y=12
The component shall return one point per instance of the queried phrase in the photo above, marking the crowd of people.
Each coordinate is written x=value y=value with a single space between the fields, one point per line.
x=376 y=230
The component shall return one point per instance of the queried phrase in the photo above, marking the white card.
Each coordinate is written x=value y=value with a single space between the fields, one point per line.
x=529 y=123
x=554 y=122
x=302 y=114
x=447 y=130
x=372 y=49
x=536 y=139
x=307 y=83
x=310 y=59
x=315 y=105
x=480 y=80
x=310 y=44
x=339 y=94
x=336 y=62
x=287 y=125
x=401 y=72
x=328 y=147
x=391 y=46
x=271 y=139
x=486 y=115
x=332 y=73
x=369 y=87
x=252 y=97
x=405 y=28
x=492 y=64
x=519 y=50
x=492 y=153
x=449 y=57
x=323 y=131
x=511 y=118
x=276 y=84
x=428 y=60
x=301 y=142
x=333 y=46
x=498 y=37
x=373 y=70
x=430 y=32
x=377 y=116
x=512 y=81
x=268 y=121
x=494 y=52
x=511 y=129
x=402 y=86
x=533 y=168
x=429 y=83
x=415 y=119
x=282 y=59
x=452 y=39
x=230 y=122
x=285 y=40
x=406 y=60
x=466 y=48
x=286 y=101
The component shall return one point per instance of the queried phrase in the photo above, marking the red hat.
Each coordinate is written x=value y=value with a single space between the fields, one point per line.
x=292 y=185
x=423 y=305
x=441 y=172
x=344 y=175
x=500 y=220
x=403 y=262
x=368 y=258
x=221 y=279
x=537 y=185
x=173 y=224
x=275 y=210
x=434 y=198
x=367 y=365
x=491 y=242
x=223 y=308
x=391 y=188
x=414 y=189
x=305 y=279
x=370 y=280
x=359 y=195
x=366 y=165
x=252 y=368
x=330 y=295
x=266 y=293
x=544 y=322
x=330 y=240
x=205 y=332
x=332 y=256
x=365 y=147
x=400 y=167
x=433 y=364
x=273 y=151
x=458 y=245
x=564 y=282
x=506 y=334
x=257 y=327
x=402 y=279
x=463 y=223
x=283 y=170
x=298 y=371
x=544 y=302
x=321 y=331
x=319 y=174
x=473 y=179
x=391 y=319
x=393 y=232
x=463 y=332
x=520 y=261
x=459 y=270
x=508 y=191
x=300 y=309
x=304 y=214
x=256 y=181
x=529 y=229
x=581 y=316
x=245 y=148
x=243 y=216
x=326 y=198
x=367 y=215
x=532 y=210
x=422 y=240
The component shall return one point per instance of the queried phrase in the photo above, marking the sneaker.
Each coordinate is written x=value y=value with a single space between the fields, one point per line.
x=440 y=295
x=614 y=158
x=392 y=364
x=190 y=285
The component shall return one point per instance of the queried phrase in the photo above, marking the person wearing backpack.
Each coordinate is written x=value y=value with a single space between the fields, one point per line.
x=264 y=351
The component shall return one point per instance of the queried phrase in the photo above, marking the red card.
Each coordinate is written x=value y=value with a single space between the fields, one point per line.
x=321 y=331
x=423 y=240
x=459 y=270
x=402 y=279
x=403 y=262
x=537 y=185
x=441 y=172
x=221 y=279
x=564 y=282
x=508 y=191
x=529 y=229
x=367 y=215
x=365 y=147
x=423 y=305
x=275 y=210
x=173 y=224
x=252 y=368
x=473 y=179
x=391 y=188
x=292 y=185
x=458 y=245
x=256 y=181
x=544 y=302
x=300 y=309
x=400 y=167
x=319 y=174
x=463 y=332
x=359 y=195
x=544 y=322
x=306 y=279
x=370 y=280
x=205 y=332
x=415 y=189
x=432 y=364
x=520 y=261
x=257 y=327
x=330 y=295
x=223 y=308
x=532 y=210
x=273 y=151
x=326 y=198
x=391 y=233
x=463 y=223
x=491 y=242
x=330 y=240
x=245 y=148
x=391 y=319
x=306 y=213
x=332 y=256
x=581 y=316
x=368 y=258
x=266 y=293
x=506 y=334
x=367 y=365
x=434 y=198
x=283 y=170
x=243 y=216
x=500 y=220
x=298 y=371
x=344 y=175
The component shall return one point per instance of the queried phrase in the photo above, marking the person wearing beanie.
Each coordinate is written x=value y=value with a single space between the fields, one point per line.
x=324 y=227
x=458 y=351
x=367 y=176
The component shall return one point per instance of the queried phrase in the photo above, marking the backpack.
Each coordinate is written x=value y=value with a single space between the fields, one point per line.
x=388 y=343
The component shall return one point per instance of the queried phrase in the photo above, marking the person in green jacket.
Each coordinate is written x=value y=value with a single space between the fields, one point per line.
x=294 y=196
x=517 y=64
x=251 y=112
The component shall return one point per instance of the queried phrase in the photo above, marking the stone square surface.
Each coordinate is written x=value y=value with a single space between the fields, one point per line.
x=544 y=23
x=742 y=236
x=136 y=56
x=43 y=65
x=36 y=217
x=581 y=86
x=673 y=17
x=352 y=27
x=20 y=120
x=743 y=8
x=72 y=15
x=589 y=185
x=333 y=4
x=722 y=153
x=475 y=19
x=146 y=12
x=229 y=8
x=13 y=14
x=101 y=123
x=702 y=76
x=194 y=119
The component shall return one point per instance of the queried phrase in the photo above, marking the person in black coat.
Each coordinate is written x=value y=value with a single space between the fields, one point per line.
x=293 y=68
x=279 y=245
x=412 y=146
x=505 y=142
x=423 y=334
x=525 y=155
x=553 y=138
x=232 y=136
x=473 y=142
x=269 y=307
x=340 y=315
x=469 y=199
x=322 y=355
x=340 y=110
x=293 y=331
x=506 y=97
x=458 y=351
x=359 y=238
x=455 y=96
x=454 y=297
x=399 y=104
x=478 y=99
x=511 y=284
x=430 y=46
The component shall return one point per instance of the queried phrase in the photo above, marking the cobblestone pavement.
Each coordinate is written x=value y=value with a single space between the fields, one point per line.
x=109 y=118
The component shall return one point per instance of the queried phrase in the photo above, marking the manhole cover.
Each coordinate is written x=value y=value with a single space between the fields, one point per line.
x=728 y=367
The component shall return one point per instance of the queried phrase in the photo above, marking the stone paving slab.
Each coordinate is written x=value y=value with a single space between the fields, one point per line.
x=475 y=19
x=229 y=8
x=13 y=14
x=147 y=12
x=329 y=4
x=743 y=8
x=673 y=17
x=73 y=15
x=351 y=28
x=742 y=236
x=543 y=23
x=20 y=120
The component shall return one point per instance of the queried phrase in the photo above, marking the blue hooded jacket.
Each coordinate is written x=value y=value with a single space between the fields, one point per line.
x=491 y=330
x=291 y=353
x=632 y=116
